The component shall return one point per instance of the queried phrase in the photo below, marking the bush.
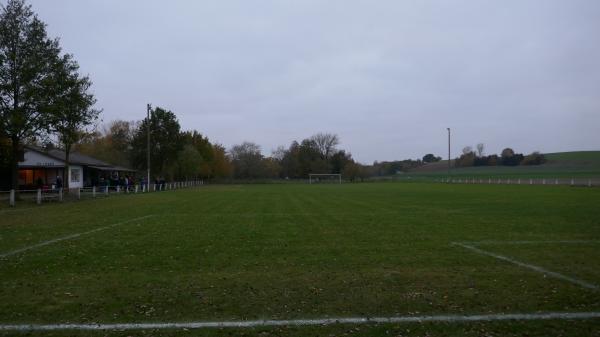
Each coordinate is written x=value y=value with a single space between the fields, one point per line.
x=535 y=158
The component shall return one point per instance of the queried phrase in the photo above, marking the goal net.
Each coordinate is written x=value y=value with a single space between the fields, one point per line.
x=322 y=178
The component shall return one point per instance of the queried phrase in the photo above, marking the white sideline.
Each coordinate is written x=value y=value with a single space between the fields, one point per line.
x=530 y=266
x=68 y=237
x=303 y=322
x=524 y=242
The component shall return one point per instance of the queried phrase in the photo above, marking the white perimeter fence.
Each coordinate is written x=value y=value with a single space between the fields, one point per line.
x=589 y=182
x=40 y=196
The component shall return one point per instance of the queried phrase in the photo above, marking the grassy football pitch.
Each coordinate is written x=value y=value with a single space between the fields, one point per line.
x=296 y=252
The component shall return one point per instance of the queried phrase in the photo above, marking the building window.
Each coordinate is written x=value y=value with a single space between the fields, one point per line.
x=75 y=175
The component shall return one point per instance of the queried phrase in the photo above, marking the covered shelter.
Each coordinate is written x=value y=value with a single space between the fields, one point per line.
x=43 y=167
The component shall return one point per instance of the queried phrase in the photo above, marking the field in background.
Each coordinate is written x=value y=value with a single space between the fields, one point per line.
x=247 y=252
x=582 y=164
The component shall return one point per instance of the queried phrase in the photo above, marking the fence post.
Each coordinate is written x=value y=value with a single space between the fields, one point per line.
x=589 y=182
x=106 y=190
x=530 y=181
x=519 y=181
x=11 y=201
x=136 y=188
x=118 y=188
x=39 y=196
x=93 y=191
x=572 y=182
x=79 y=194
x=60 y=195
x=555 y=181
x=543 y=181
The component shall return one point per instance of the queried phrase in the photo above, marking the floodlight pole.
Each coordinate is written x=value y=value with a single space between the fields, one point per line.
x=448 y=151
x=149 y=108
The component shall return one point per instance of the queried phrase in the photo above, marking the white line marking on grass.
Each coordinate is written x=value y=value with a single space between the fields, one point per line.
x=303 y=322
x=68 y=237
x=530 y=266
x=526 y=242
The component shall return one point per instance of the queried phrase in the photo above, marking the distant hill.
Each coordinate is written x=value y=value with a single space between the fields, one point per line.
x=559 y=164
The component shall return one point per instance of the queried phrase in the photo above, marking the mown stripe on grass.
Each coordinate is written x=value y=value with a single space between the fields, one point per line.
x=69 y=237
x=538 y=269
x=304 y=322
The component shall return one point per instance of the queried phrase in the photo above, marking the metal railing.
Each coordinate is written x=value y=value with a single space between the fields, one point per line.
x=39 y=196
x=589 y=182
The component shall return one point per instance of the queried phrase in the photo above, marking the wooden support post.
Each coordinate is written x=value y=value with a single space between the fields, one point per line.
x=11 y=201
x=38 y=199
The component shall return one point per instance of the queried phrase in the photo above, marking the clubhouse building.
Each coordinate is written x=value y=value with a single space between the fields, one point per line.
x=41 y=167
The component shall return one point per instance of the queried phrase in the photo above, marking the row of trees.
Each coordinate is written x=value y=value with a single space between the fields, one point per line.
x=316 y=154
x=41 y=90
x=508 y=157
x=174 y=154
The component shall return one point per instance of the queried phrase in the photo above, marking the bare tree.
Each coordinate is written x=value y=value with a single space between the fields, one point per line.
x=247 y=160
x=326 y=143
x=480 y=149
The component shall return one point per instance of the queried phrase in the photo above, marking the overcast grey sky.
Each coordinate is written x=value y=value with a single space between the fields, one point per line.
x=387 y=76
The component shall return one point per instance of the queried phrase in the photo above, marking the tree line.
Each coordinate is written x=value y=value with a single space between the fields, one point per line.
x=508 y=157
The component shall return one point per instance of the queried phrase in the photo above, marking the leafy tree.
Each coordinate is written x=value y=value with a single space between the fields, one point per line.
x=311 y=159
x=71 y=105
x=509 y=157
x=507 y=153
x=204 y=149
x=164 y=143
x=290 y=162
x=431 y=158
x=271 y=168
x=27 y=57
x=534 y=158
x=339 y=160
x=189 y=162
x=221 y=167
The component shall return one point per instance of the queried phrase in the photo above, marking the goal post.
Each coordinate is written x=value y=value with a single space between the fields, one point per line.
x=324 y=177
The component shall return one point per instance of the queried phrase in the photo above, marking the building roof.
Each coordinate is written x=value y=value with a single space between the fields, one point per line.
x=77 y=158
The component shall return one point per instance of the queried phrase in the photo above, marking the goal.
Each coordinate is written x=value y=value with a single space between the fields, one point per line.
x=315 y=178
